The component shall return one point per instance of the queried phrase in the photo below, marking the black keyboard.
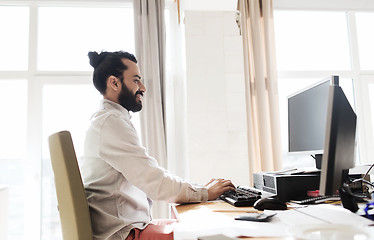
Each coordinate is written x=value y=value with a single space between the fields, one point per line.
x=242 y=197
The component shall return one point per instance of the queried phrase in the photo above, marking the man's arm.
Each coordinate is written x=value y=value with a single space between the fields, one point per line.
x=120 y=148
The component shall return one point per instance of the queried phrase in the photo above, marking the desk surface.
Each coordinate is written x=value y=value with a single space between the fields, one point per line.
x=217 y=217
x=218 y=207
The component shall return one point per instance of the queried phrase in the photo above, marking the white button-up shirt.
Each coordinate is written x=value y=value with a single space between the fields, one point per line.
x=121 y=179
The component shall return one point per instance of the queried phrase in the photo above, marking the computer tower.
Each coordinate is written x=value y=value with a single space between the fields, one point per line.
x=285 y=186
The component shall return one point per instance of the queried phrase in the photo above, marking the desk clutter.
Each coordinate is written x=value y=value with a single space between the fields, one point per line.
x=295 y=210
x=255 y=216
x=322 y=221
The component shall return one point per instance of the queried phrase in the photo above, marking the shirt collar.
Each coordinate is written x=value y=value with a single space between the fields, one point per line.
x=107 y=104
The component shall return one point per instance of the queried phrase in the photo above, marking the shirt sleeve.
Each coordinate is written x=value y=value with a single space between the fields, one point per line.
x=120 y=147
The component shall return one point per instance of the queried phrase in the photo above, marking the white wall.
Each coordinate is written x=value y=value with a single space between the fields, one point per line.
x=216 y=121
x=209 y=5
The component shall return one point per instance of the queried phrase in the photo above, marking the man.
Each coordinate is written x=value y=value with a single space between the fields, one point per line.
x=121 y=180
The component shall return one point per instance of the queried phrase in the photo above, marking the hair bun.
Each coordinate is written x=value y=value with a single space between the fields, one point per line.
x=96 y=58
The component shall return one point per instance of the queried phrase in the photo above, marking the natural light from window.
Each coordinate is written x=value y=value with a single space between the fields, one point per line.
x=65 y=41
x=13 y=122
x=365 y=40
x=310 y=40
x=13 y=126
x=68 y=107
x=57 y=95
x=317 y=41
x=14 y=38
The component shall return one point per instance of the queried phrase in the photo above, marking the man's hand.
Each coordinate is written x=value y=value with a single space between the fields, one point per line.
x=216 y=187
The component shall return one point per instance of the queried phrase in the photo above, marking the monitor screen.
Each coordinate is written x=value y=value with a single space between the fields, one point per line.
x=339 y=147
x=307 y=111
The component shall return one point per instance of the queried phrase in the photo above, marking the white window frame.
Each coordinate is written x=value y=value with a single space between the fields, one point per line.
x=361 y=79
x=35 y=81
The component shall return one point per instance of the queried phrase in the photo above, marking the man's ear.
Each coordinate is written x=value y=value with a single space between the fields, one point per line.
x=113 y=82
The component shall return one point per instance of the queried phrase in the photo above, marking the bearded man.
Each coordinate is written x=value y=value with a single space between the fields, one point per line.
x=121 y=180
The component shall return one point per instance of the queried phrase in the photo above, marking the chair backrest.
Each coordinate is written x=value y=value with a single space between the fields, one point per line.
x=71 y=197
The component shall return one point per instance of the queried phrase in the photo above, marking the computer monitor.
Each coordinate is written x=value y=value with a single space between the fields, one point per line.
x=307 y=112
x=339 y=147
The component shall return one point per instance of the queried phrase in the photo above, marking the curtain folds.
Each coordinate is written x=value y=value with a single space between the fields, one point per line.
x=150 y=52
x=263 y=118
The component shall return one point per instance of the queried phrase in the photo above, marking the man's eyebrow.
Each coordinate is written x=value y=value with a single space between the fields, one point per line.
x=137 y=76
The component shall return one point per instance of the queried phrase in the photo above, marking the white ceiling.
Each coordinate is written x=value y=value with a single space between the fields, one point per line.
x=230 y=5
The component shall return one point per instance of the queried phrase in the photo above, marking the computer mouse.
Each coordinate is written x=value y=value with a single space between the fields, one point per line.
x=270 y=203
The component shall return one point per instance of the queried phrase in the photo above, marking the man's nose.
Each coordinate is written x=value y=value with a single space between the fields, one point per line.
x=141 y=87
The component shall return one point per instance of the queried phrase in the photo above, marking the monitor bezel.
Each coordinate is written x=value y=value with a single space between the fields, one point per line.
x=334 y=79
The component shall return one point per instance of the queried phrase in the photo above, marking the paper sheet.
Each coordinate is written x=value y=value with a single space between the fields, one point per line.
x=204 y=222
x=334 y=214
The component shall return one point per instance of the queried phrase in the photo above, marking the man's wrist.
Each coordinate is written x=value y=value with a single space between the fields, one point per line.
x=204 y=194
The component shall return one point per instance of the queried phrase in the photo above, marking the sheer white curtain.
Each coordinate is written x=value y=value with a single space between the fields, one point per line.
x=263 y=118
x=150 y=52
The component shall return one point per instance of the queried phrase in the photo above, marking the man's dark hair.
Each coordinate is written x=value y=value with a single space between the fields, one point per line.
x=106 y=64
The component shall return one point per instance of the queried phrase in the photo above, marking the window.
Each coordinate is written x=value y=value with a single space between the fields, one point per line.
x=320 y=44
x=45 y=87
x=67 y=40
x=13 y=102
x=315 y=41
x=365 y=40
x=14 y=44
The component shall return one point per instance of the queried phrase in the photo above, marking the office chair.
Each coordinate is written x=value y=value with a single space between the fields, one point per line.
x=71 y=197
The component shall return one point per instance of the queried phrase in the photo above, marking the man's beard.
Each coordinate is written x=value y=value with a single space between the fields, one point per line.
x=128 y=100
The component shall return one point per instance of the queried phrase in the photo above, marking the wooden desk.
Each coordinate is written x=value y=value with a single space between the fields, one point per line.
x=181 y=211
